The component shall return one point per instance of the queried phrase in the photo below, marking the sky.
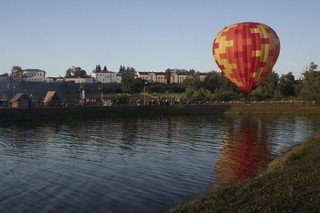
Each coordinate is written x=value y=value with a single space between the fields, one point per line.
x=148 y=35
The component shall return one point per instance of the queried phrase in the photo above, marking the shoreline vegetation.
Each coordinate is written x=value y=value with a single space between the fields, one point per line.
x=62 y=114
x=290 y=184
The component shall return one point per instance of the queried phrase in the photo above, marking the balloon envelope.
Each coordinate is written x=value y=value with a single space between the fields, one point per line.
x=246 y=53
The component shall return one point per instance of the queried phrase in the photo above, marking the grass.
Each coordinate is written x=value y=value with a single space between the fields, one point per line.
x=167 y=95
x=290 y=184
x=71 y=113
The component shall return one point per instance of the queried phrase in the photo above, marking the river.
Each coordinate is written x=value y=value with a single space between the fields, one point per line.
x=136 y=164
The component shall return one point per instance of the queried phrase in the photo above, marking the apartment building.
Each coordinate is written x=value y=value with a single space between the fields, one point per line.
x=106 y=77
x=177 y=76
x=34 y=75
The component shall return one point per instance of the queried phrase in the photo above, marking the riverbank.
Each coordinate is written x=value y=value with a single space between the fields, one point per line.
x=72 y=113
x=290 y=184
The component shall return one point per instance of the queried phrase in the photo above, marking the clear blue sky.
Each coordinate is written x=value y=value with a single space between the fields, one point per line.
x=149 y=35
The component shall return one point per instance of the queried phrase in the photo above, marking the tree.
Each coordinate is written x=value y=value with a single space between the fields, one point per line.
x=127 y=80
x=168 y=76
x=82 y=72
x=192 y=80
x=138 y=85
x=224 y=85
x=122 y=69
x=16 y=71
x=202 y=94
x=223 y=95
x=287 y=85
x=267 y=88
x=213 y=81
x=69 y=72
x=310 y=84
x=105 y=69
x=75 y=72
x=192 y=72
x=312 y=66
x=98 y=68
x=189 y=94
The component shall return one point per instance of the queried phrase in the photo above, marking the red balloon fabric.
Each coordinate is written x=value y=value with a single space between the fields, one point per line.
x=246 y=53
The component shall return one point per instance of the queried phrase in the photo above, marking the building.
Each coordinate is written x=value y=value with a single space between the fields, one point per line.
x=21 y=100
x=158 y=77
x=51 y=99
x=34 y=75
x=203 y=76
x=119 y=78
x=4 y=81
x=155 y=77
x=4 y=100
x=80 y=79
x=177 y=76
x=105 y=77
x=4 y=77
x=143 y=75
x=54 y=79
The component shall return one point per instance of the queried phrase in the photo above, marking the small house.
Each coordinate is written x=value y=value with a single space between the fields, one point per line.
x=4 y=100
x=52 y=100
x=21 y=100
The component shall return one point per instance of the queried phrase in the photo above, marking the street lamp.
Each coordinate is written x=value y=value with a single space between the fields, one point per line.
x=144 y=92
x=80 y=90
x=101 y=93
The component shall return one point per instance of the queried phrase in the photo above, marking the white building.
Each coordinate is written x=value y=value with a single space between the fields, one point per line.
x=34 y=75
x=105 y=77
x=80 y=79
x=54 y=79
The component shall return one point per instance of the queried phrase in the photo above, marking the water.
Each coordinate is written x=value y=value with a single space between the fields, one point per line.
x=136 y=164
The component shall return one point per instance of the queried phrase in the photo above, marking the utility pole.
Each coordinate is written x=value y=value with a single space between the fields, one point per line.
x=144 y=93
x=101 y=93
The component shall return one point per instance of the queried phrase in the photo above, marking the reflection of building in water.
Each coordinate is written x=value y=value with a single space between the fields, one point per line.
x=244 y=151
x=162 y=126
x=26 y=138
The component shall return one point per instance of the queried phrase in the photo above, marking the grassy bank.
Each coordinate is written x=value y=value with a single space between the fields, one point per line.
x=290 y=184
x=61 y=114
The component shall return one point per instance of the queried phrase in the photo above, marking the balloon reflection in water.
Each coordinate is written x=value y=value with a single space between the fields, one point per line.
x=243 y=153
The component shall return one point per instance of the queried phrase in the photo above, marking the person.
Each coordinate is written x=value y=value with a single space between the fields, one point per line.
x=247 y=102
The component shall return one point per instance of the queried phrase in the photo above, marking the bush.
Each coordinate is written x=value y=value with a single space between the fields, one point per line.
x=162 y=88
x=225 y=96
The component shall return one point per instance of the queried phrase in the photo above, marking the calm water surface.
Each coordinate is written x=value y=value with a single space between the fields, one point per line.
x=136 y=164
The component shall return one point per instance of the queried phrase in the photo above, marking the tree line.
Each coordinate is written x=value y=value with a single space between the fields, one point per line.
x=216 y=87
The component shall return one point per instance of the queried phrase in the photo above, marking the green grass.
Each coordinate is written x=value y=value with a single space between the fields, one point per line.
x=167 y=95
x=290 y=184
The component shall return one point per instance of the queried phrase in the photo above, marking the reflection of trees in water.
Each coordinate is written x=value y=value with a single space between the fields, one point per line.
x=92 y=139
x=27 y=140
x=243 y=153
x=158 y=128
x=28 y=135
x=124 y=134
x=129 y=130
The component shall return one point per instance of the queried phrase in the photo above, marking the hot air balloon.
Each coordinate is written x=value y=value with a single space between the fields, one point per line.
x=246 y=53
